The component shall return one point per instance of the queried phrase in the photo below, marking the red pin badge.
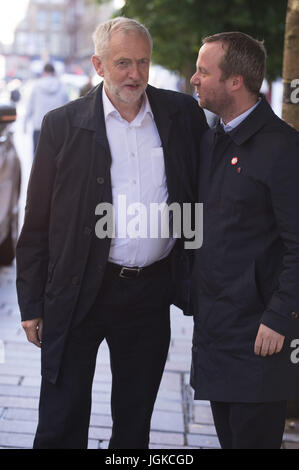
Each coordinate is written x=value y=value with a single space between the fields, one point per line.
x=235 y=161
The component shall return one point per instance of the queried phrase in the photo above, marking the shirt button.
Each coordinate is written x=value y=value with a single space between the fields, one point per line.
x=100 y=180
x=295 y=315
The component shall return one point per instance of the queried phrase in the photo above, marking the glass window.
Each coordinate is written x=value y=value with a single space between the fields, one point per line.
x=42 y=19
x=56 y=19
x=21 y=38
x=56 y=44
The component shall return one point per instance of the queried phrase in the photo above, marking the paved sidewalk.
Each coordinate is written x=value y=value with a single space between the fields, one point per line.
x=178 y=422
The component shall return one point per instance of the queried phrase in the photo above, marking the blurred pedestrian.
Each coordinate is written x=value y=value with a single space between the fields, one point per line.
x=245 y=282
x=124 y=139
x=15 y=96
x=87 y=87
x=48 y=93
x=14 y=87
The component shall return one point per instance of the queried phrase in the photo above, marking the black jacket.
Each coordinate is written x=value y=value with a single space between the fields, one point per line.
x=60 y=261
x=247 y=270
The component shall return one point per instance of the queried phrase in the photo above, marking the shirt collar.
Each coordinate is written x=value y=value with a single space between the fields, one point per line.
x=110 y=110
x=235 y=122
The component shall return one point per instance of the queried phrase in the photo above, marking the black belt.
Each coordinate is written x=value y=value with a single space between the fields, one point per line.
x=126 y=272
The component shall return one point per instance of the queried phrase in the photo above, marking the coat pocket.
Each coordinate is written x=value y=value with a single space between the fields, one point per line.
x=237 y=309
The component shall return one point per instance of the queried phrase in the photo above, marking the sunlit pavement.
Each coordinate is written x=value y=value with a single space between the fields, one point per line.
x=177 y=423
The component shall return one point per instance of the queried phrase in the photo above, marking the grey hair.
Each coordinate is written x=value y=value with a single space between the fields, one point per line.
x=102 y=35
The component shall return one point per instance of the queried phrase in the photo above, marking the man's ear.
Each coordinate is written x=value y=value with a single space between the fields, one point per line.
x=236 y=82
x=98 y=65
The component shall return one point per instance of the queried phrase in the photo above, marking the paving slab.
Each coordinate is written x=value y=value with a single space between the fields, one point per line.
x=21 y=414
x=167 y=438
x=16 y=441
x=202 y=441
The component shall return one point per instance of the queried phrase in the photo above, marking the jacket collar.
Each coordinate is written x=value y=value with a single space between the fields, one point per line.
x=164 y=110
x=253 y=123
x=87 y=112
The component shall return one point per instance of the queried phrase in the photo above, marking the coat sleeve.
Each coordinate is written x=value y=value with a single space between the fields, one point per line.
x=32 y=254
x=282 y=313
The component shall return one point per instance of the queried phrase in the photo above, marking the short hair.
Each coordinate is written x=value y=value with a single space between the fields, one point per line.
x=102 y=35
x=49 y=68
x=244 y=56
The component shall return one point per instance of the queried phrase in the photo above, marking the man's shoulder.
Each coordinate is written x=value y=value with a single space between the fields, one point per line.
x=71 y=106
x=280 y=132
x=265 y=117
x=68 y=111
x=283 y=127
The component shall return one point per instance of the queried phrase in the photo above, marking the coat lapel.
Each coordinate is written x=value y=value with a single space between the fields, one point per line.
x=221 y=141
x=250 y=126
x=89 y=115
x=164 y=111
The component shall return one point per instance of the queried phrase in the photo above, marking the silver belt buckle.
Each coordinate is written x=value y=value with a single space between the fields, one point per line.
x=124 y=268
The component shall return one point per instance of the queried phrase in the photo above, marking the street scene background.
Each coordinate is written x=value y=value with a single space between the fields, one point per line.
x=60 y=31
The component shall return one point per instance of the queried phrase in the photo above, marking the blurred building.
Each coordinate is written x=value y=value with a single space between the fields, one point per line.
x=82 y=19
x=43 y=30
x=55 y=30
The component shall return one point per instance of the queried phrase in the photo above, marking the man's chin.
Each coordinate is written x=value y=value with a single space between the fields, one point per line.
x=201 y=103
x=204 y=105
x=131 y=97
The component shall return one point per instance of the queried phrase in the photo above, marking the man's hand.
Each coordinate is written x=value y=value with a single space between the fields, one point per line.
x=268 y=342
x=34 y=330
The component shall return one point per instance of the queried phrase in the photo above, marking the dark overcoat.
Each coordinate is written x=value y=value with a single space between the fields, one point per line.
x=60 y=261
x=247 y=270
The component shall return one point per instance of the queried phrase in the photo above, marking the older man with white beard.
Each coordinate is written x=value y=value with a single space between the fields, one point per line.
x=123 y=139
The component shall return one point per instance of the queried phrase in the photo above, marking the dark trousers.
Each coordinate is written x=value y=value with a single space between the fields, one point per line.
x=250 y=425
x=133 y=316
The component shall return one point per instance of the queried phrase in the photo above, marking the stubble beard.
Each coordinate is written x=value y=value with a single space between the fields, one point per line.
x=218 y=105
x=125 y=96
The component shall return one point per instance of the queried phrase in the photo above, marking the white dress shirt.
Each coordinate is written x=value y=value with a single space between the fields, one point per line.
x=137 y=176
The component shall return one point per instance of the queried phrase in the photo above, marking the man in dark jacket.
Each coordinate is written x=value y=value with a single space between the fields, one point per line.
x=78 y=284
x=245 y=283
